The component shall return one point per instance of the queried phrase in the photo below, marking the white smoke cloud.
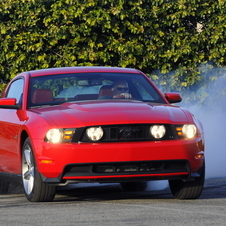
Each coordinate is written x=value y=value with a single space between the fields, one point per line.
x=212 y=113
x=213 y=118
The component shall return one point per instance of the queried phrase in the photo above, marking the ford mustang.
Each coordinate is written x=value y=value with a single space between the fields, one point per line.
x=60 y=126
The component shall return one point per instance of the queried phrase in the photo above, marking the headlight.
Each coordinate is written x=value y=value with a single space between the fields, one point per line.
x=189 y=130
x=158 y=131
x=95 y=133
x=54 y=135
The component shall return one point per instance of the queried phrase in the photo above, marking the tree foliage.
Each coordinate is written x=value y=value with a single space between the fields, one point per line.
x=169 y=40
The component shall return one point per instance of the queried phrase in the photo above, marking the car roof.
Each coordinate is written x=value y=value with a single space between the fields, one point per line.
x=68 y=70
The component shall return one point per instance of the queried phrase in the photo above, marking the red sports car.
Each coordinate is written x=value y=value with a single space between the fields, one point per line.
x=96 y=124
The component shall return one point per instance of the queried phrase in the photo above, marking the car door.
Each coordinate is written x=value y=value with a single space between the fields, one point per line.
x=10 y=125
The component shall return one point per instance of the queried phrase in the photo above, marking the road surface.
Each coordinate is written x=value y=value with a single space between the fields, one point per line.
x=109 y=205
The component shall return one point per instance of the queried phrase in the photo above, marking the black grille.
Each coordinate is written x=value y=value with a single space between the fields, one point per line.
x=127 y=132
x=120 y=133
x=127 y=168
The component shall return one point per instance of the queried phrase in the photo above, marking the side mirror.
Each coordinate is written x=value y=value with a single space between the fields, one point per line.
x=9 y=103
x=173 y=97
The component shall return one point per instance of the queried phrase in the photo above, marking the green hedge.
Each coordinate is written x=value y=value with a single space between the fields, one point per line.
x=159 y=37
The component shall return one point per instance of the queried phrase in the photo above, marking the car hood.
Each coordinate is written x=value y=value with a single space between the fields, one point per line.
x=100 y=112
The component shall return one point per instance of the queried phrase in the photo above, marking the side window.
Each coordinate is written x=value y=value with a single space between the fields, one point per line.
x=16 y=90
x=143 y=91
x=146 y=91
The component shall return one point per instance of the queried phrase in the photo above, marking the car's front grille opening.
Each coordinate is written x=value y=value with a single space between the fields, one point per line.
x=120 y=133
x=148 y=167
x=127 y=132
x=123 y=168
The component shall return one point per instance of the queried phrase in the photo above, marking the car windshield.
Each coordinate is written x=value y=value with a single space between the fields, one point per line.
x=60 y=88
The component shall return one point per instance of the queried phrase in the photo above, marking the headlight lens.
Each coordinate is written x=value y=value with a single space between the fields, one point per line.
x=158 y=131
x=189 y=130
x=95 y=133
x=54 y=135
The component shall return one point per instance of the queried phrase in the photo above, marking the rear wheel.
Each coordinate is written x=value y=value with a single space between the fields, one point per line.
x=188 y=189
x=34 y=189
x=134 y=186
x=4 y=187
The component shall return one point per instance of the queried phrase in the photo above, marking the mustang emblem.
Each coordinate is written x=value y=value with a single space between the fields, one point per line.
x=128 y=132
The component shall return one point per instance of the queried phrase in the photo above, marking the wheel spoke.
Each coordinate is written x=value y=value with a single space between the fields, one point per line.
x=28 y=169
x=27 y=155
x=26 y=175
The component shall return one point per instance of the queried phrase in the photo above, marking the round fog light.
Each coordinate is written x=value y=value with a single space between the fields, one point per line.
x=95 y=133
x=158 y=131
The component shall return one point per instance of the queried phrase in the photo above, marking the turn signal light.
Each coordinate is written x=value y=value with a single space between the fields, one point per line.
x=45 y=161
x=199 y=156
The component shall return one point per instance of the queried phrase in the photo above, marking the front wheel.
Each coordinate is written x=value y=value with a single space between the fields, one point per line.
x=188 y=189
x=35 y=190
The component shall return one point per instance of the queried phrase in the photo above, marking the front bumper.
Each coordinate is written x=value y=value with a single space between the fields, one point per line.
x=118 y=162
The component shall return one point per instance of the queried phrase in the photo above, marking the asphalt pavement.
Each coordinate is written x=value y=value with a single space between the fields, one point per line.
x=210 y=182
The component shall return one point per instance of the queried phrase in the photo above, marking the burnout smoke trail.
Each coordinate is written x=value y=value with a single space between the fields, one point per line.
x=212 y=115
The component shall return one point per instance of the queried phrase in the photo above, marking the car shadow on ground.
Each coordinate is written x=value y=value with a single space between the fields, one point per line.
x=213 y=189
x=108 y=192
x=100 y=192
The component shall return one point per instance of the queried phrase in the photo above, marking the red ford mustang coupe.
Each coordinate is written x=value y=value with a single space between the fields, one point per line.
x=96 y=124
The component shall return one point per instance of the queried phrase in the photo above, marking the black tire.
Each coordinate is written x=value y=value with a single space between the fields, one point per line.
x=34 y=188
x=4 y=187
x=134 y=186
x=188 y=189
